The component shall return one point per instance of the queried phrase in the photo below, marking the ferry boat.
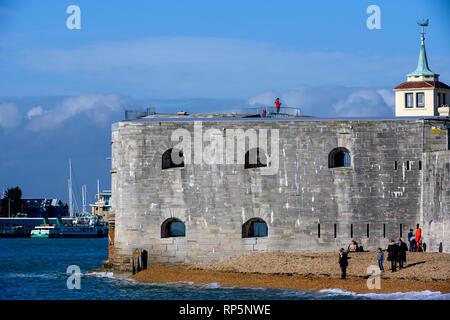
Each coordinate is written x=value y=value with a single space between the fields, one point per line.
x=84 y=226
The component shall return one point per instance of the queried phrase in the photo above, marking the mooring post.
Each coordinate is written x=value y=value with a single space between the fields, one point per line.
x=144 y=259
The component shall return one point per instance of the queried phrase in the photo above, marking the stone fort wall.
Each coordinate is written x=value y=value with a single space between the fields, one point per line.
x=377 y=198
x=436 y=200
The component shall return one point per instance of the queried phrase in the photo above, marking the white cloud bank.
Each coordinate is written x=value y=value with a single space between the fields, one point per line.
x=10 y=116
x=96 y=107
x=333 y=101
x=318 y=101
x=362 y=103
x=34 y=112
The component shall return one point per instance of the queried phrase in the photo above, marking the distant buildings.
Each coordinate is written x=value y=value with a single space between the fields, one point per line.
x=102 y=206
x=44 y=208
x=36 y=208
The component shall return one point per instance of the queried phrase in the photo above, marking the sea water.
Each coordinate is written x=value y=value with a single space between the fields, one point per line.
x=37 y=269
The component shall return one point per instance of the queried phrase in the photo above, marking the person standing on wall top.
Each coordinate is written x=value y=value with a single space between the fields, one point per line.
x=264 y=112
x=392 y=250
x=402 y=248
x=277 y=104
x=418 y=234
x=343 y=262
x=410 y=235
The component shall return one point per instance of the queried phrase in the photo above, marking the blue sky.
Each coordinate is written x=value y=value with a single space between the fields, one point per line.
x=61 y=89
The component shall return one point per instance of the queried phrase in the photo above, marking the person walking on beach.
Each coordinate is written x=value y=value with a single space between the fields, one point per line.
x=410 y=240
x=343 y=262
x=392 y=250
x=380 y=258
x=277 y=104
x=402 y=248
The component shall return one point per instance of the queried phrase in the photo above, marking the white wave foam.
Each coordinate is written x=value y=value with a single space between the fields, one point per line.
x=212 y=285
x=109 y=276
x=101 y=274
x=185 y=284
x=411 y=295
x=256 y=288
x=337 y=291
x=332 y=292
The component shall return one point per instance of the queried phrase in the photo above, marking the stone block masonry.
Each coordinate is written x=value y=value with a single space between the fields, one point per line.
x=306 y=205
x=436 y=200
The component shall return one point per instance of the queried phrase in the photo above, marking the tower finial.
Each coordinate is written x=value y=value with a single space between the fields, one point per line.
x=423 y=24
x=422 y=64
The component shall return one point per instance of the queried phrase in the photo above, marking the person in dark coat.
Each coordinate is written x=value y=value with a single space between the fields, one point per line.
x=402 y=248
x=343 y=262
x=392 y=250
x=410 y=235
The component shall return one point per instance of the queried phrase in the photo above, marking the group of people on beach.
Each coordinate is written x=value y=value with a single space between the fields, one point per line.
x=354 y=247
x=396 y=252
x=416 y=242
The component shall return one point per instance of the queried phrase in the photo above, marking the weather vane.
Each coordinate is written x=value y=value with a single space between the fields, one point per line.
x=423 y=24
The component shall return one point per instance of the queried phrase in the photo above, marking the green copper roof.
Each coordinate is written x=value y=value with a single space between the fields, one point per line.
x=422 y=65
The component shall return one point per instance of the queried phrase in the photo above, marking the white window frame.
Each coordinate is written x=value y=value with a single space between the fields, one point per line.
x=417 y=100
x=406 y=100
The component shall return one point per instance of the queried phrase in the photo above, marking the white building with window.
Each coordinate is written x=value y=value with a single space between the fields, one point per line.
x=422 y=94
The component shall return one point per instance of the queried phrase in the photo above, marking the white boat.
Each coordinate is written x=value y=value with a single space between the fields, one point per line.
x=85 y=226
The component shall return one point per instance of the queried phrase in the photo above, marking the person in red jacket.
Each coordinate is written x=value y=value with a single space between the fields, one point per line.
x=418 y=234
x=278 y=104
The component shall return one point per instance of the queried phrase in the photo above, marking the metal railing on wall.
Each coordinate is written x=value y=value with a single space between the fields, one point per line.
x=137 y=114
x=273 y=112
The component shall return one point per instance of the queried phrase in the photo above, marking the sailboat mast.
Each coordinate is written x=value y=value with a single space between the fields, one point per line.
x=83 y=194
x=98 y=190
x=70 y=189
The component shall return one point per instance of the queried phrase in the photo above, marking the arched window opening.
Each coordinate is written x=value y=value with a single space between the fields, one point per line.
x=255 y=158
x=339 y=157
x=172 y=158
x=255 y=227
x=173 y=227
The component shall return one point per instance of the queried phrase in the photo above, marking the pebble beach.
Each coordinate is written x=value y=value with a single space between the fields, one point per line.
x=311 y=271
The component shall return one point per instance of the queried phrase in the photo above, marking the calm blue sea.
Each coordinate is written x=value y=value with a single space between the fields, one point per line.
x=36 y=269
